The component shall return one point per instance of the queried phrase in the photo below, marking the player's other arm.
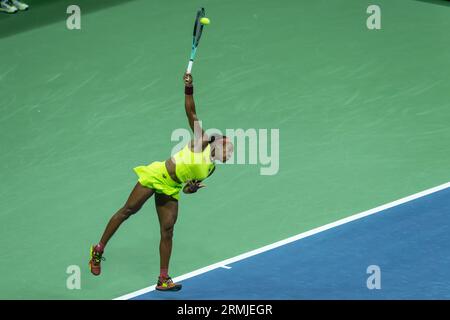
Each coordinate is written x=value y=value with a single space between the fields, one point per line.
x=192 y=186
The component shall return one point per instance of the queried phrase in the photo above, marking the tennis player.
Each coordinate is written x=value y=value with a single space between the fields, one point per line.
x=183 y=171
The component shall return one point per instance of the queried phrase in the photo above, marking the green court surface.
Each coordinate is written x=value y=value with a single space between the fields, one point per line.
x=363 y=117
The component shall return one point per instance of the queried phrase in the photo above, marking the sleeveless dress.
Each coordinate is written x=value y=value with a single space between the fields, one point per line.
x=189 y=166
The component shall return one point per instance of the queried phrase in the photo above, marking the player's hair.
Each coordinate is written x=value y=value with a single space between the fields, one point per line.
x=215 y=137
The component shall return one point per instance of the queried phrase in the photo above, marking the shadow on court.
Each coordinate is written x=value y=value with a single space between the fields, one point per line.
x=445 y=3
x=46 y=12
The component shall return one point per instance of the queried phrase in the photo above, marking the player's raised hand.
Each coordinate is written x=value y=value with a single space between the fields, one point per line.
x=187 y=78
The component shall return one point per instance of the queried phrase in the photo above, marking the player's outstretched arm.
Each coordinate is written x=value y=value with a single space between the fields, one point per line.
x=189 y=106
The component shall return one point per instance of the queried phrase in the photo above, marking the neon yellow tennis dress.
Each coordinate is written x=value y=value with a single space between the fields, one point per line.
x=189 y=166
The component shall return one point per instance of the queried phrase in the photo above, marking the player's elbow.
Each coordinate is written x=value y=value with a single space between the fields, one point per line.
x=192 y=117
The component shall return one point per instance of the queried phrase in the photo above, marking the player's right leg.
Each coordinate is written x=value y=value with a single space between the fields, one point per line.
x=137 y=198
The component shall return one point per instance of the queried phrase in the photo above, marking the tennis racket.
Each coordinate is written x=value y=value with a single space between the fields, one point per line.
x=198 y=28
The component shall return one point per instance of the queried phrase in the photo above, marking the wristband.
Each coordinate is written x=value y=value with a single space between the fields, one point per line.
x=188 y=90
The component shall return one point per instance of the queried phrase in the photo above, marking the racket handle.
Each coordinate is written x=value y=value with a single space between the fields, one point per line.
x=189 y=68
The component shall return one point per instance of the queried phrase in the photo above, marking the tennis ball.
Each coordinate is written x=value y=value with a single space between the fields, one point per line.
x=204 y=21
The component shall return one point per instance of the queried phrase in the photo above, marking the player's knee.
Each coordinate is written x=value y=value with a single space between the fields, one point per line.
x=167 y=231
x=128 y=211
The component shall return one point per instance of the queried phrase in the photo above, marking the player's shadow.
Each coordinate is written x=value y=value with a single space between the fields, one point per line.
x=445 y=3
x=44 y=12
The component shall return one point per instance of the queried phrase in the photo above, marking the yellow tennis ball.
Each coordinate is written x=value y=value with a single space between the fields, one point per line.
x=204 y=21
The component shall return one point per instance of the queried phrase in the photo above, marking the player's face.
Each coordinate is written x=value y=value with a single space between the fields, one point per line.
x=224 y=150
x=227 y=151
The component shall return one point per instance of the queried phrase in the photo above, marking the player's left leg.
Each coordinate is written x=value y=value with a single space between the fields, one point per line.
x=167 y=209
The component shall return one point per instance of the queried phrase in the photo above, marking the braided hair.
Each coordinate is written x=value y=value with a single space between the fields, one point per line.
x=215 y=137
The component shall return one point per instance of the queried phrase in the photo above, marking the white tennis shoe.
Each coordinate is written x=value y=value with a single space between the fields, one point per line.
x=20 y=5
x=5 y=6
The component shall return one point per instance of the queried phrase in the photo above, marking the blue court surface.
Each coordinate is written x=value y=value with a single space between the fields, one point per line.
x=408 y=242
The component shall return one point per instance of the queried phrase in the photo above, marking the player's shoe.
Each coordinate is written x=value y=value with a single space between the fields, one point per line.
x=20 y=5
x=5 y=6
x=166 y=284
x=96 y=260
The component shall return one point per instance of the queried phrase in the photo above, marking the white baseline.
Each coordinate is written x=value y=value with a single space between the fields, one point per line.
x=293 y=238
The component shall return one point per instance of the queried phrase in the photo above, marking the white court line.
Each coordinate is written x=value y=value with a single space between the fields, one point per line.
x=293 y=238
x=226 y=267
